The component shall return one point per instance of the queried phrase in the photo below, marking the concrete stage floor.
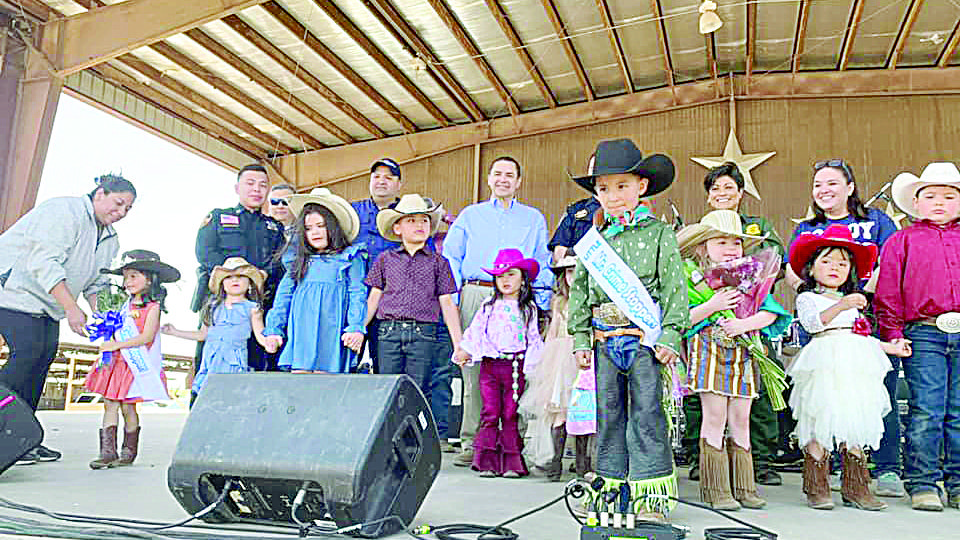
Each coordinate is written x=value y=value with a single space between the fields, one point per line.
x=457 y=496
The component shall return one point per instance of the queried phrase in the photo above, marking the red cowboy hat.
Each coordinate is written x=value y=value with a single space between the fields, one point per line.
x=513 y=258
x=864 y=255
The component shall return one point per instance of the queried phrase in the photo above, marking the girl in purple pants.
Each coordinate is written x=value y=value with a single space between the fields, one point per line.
x=504 y=337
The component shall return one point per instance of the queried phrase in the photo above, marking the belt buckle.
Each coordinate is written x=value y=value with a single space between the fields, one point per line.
x=949 y=322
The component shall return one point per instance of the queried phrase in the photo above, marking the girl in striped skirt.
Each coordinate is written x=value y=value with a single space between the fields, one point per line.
x=720 y=367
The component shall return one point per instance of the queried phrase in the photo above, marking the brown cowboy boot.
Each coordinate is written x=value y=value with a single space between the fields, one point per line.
x=128 y=452
x=741 y=477
x=855 y=484
x=108 y=448
x=715 y=478
x=816 y=483
x=582 y=443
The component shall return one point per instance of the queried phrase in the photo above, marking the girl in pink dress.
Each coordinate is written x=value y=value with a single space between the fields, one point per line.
x=505 y=339
x=131 y=367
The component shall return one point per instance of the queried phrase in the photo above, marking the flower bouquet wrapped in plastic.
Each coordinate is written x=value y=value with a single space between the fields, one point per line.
x=754 y=276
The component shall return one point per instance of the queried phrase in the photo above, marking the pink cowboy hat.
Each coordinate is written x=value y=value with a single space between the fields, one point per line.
x=513 y=258
x=864 y=255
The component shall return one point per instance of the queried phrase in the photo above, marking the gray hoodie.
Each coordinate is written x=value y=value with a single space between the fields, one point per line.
x=56 y=241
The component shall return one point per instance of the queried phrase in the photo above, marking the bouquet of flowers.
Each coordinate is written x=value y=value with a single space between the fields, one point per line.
x=754 y=276
x=107 y=318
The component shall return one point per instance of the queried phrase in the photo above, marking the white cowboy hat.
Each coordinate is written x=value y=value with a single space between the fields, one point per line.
x=236 y=266
x=568 y=261
x=409 y=205
x=346 y=216
x=906 y=185
x=714 y=225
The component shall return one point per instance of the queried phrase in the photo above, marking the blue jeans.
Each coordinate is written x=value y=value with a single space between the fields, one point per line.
x=933 y=375
x=632 y=442
x=887 y=457
x=421 y=350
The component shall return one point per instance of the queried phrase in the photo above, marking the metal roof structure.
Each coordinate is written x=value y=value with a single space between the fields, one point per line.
x=280 y=77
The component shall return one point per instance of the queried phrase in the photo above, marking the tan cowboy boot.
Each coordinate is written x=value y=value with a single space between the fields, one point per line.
x=715 y=478
x=816 y=483
x=855 y=484
x=108 y=448
x=128 y=452
x=741 y=477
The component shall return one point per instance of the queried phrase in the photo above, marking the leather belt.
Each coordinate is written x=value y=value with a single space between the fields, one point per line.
x=946 y=322
x=479 y=283
x=603 y=335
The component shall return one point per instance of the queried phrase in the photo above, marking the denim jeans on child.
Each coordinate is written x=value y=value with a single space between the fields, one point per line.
x=933 y=375
x=632 y=438
x=887 y=457
x=406 y=346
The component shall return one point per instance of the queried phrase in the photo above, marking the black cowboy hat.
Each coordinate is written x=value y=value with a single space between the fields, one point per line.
x=145 y=261
x=622 y=156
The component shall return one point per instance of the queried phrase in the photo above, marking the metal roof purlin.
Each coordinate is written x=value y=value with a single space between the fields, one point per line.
x=239 y=26
x=296 y=28
x=411 y=41
x=615 y=43
x=222 y=85
x=157 y=77
x=369 y=47
x=498 y=13
x=260 y=78
x=450 y=20
x=751 y=38
x=565 y=40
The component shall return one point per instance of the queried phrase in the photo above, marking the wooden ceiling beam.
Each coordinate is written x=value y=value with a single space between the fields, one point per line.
x=507 y=28
x=711 y=46
x=410 y=39
x=950 y=47
x=207 y=76
x=904 y=33
x=360 y=38
x=175 y=107
x=314 y=44
x=209 y=43
x=751 y=37
x=239 y=26
x=567 y=44
x=450 y=20
x=157 y=77
x=662 y=40
x=803 y=14
x=35 y=9
x=615 y=43
x=856 y=12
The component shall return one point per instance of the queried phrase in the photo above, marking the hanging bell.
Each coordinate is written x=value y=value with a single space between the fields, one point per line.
x=709 y=20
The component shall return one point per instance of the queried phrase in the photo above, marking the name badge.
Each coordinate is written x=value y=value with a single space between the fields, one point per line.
x=581 y=214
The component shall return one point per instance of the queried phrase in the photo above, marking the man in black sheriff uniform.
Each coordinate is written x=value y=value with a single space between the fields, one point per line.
x=576 y=222
x=242 y=231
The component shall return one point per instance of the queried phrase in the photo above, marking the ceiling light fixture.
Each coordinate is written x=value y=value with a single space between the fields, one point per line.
x=709 y=20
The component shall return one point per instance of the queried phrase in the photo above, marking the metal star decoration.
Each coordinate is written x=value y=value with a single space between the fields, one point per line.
x=732 y=152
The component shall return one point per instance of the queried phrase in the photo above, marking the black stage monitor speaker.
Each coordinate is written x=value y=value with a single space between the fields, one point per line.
x=19 y=430
x=365 y=447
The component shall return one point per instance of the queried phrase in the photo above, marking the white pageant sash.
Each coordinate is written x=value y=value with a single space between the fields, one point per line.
x=620 y=283
x=146 y=364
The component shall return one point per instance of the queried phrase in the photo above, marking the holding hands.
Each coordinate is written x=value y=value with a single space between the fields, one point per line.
x=897 y=347
x=351 y=340
x=460 y=357
x=584 y=358
x=273 y=343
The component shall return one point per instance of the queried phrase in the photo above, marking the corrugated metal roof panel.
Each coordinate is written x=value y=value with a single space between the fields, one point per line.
x=687 y=45
x=929 y=35
x=776 y=32
x=826 y=26
x=638 y=35
x=877 y=33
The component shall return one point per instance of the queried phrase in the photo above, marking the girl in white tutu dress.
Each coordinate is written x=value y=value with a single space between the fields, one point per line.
x=838 y=395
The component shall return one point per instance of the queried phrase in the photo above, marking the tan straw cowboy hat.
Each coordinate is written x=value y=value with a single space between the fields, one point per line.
x=906 y=185
x=714 y=225
x=342 y=210
x=409 y=205
x=236 y=266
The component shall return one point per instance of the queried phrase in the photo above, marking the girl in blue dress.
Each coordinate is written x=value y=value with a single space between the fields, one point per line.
x=228 y=318
x=321 y=303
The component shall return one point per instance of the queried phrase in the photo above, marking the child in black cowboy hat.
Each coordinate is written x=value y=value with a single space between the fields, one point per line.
x=131 y=368
x=629 y=358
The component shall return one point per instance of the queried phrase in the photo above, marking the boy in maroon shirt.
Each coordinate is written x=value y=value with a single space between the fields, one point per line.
x=410 y=286
x=918 y=297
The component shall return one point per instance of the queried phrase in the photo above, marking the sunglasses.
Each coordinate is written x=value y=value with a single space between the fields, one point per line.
x=835 y=164
x=279 y=202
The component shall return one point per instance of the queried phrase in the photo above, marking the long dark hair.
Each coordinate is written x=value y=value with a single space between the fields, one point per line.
x=155 y=292
x=336 y=240
x=525 y=299
x=850 y=286
x=216 y=300
x=854 y=205
x=113 y=183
